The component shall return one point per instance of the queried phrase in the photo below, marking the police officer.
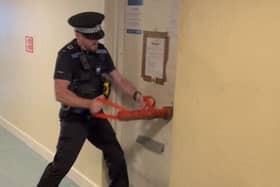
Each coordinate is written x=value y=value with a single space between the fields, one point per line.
x=78 y=78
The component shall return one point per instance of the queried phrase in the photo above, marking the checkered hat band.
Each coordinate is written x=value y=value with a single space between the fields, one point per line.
x=95 y=29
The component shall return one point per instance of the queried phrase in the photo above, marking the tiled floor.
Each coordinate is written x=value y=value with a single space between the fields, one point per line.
x=19 y=165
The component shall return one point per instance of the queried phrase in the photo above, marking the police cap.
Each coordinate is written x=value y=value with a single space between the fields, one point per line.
x=89 y=24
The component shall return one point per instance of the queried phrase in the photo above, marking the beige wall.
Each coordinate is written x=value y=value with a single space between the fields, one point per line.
x=226 y=125
x=27 y=95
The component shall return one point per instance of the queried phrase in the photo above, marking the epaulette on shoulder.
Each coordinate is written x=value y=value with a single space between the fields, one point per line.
x=68 y=48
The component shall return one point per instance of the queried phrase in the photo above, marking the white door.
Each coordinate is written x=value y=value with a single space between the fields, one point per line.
x=147 y=166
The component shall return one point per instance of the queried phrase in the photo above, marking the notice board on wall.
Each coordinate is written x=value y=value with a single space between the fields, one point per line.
x=155 y=56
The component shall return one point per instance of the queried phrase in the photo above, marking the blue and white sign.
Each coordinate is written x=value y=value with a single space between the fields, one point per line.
x=133 y=31
x=135 y=2
x=134 y=16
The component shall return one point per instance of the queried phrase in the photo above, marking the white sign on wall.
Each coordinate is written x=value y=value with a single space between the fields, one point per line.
x=155 y=55
x=133 y=16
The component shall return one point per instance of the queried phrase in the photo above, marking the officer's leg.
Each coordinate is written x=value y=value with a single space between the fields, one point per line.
x=102 y=135
x=71 y=138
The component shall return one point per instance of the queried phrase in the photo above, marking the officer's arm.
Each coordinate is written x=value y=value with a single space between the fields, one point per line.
x=122 y=83
x=67 y=97
x=127 y=87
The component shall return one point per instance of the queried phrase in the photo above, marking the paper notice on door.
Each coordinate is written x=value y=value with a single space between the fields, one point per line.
x=155 y=52
x=155 y=55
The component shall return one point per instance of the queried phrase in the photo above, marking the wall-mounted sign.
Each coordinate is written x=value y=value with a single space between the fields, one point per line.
x=133 y=16
x=155 y=55
x=29 y=44
x=135 y=2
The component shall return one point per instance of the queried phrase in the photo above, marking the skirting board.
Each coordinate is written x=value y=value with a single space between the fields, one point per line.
x=74 y=174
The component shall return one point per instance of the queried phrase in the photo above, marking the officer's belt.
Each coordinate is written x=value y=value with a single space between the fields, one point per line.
x=78 y=110
x=75 y=110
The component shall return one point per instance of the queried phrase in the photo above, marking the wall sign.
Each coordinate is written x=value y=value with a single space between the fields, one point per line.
x=29 y=44
x=135 y=2
x=155 y=55
x=134 y=16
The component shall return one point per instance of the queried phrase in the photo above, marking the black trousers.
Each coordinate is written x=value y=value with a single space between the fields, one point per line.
x=73 y=134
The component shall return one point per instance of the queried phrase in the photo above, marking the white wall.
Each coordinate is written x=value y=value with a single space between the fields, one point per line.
x=27 y=94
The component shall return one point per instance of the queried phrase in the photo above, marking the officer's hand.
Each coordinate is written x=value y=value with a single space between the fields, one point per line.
x=140 y=101
x=96 y=105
